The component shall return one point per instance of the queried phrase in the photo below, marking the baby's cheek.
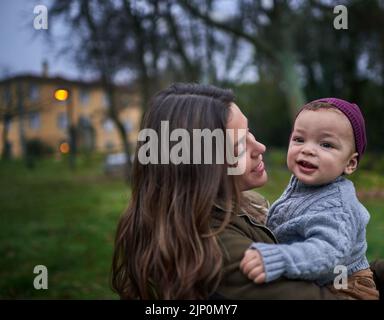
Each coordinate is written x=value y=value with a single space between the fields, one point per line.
x=290 y=163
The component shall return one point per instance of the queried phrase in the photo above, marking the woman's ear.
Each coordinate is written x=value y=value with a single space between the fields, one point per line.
x=351 y=164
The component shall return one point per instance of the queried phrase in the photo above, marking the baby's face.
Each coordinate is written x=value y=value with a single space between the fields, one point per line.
x=322 y=146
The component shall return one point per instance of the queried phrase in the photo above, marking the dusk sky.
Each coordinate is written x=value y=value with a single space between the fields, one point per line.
x=23 y=48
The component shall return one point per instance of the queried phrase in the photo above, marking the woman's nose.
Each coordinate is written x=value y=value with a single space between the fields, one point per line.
x=258 y=148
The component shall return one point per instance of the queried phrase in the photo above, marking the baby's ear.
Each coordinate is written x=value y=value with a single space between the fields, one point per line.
x=351 y=164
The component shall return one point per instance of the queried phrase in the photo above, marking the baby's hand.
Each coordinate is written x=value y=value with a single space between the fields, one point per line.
x=252 y=266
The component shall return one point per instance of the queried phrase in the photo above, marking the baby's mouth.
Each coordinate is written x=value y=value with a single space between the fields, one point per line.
x=306 y=164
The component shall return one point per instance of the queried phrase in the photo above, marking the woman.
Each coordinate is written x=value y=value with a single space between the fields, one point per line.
x=188 y=224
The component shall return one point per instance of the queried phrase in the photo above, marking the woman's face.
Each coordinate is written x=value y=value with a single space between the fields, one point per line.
x=254 y=175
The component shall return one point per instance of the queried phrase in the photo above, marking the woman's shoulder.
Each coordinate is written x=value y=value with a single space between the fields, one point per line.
x=256 y=198
x=248 y=223
x=255 y=205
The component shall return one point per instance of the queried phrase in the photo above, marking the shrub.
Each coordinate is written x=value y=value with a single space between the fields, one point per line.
x=37 y=148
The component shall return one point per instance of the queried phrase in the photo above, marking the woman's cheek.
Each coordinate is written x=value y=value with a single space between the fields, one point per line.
x=242 y=164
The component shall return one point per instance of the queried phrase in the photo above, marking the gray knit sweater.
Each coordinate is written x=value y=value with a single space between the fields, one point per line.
x=318 y=227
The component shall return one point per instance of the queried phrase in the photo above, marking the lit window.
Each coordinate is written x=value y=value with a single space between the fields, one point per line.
x=33 y=92
x=34 y=120
x=64 y=147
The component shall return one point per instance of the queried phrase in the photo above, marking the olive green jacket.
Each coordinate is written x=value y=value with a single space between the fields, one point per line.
x=242 y=230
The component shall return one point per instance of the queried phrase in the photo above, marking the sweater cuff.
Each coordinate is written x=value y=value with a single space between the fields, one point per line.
x=273 y=259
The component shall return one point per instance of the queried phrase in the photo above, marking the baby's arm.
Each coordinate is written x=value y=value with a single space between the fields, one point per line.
x=328 y=237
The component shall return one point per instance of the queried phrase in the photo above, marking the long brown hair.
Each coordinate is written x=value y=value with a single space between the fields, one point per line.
x=164 y=246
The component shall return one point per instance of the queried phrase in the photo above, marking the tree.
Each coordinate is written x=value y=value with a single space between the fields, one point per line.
x=269 y=31
x=14 y=95
x=110 y=38
x=113 y=37
x=293 y=45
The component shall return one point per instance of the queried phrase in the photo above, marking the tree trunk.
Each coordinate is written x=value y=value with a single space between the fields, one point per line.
x=139 y=34
x=113 y=114
x=283 y=56
x=6 y=152
x=20 y=111
x=126 y=148
x=291 y=83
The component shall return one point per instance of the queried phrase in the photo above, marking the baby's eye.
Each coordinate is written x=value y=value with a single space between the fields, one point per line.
x=326 y=145
x=298 y=139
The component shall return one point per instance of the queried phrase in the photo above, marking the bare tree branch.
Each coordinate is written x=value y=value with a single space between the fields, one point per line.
x=259 y=44
x=180 y=47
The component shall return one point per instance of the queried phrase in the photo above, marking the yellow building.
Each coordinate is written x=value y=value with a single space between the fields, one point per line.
x=28 y=109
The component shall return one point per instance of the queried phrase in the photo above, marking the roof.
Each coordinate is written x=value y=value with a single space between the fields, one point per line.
x=61 y=81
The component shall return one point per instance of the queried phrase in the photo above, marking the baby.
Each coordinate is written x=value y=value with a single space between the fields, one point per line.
x=318 y=220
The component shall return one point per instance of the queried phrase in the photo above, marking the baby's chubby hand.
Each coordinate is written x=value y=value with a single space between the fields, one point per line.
x=252 y=266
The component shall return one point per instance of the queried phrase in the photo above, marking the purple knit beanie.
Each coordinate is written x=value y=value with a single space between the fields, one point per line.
x=355 y=117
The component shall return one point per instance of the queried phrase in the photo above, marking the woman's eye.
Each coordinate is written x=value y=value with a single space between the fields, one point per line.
x=240 y=148
x=326 y=145
x=240 y=152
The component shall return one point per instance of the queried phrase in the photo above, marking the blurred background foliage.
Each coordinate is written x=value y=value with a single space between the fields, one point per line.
x=275 y=54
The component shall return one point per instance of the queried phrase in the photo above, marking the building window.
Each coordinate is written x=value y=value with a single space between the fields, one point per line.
x=85 y=122
x=33 y=92
x=109 y=145
x=104 y=100
x=62 y=120
x=6 y=96
x=84 y=96
x=108 y=125
x=7 y=124
x=128 y=125
x=34 y=120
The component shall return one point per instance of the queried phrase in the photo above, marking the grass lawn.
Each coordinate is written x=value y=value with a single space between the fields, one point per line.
x=66 y=221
